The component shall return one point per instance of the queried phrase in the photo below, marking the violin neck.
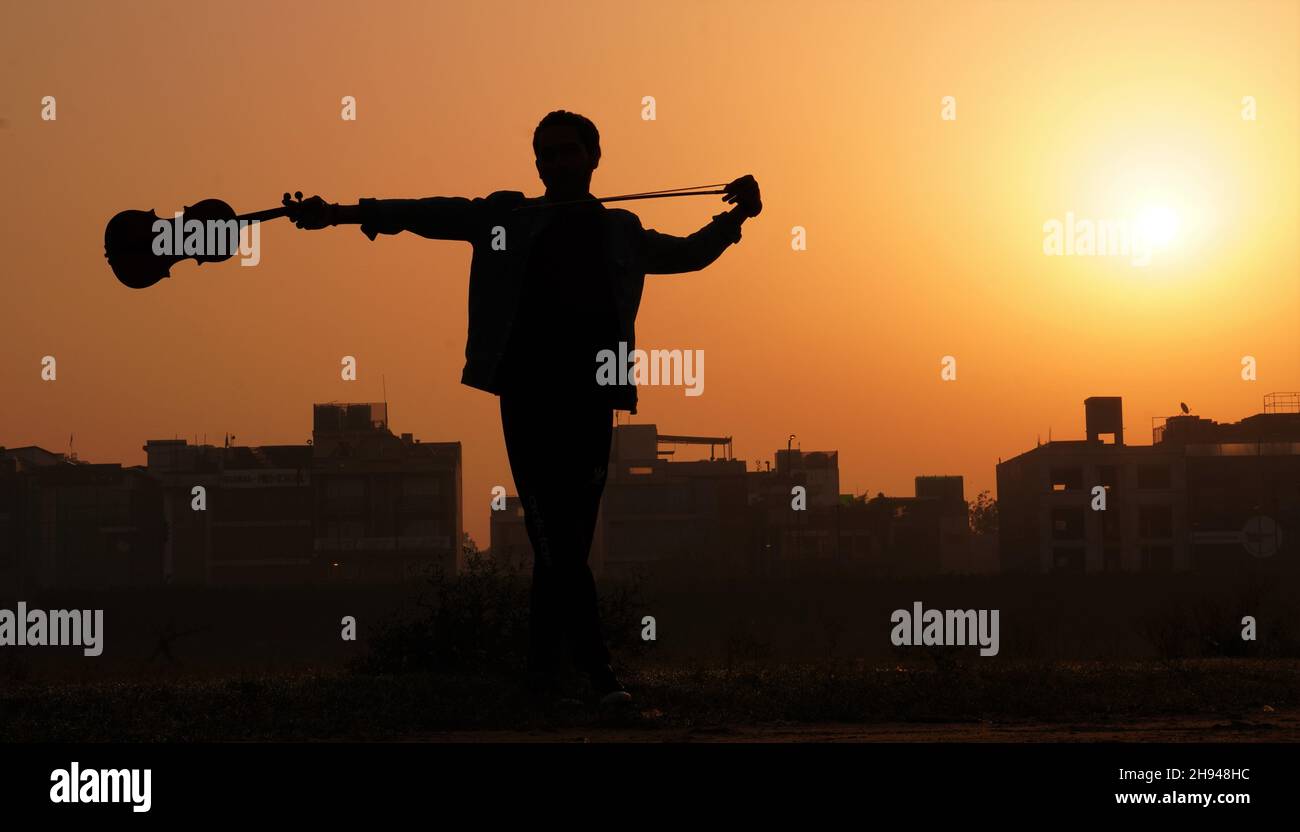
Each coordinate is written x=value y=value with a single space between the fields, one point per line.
x=259 y=216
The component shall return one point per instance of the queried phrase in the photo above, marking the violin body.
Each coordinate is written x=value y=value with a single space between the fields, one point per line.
x=130 y=238
x=129 y=241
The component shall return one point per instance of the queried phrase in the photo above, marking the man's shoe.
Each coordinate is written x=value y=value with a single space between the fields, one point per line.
x=608 y=687
x=616 y=699
x=550 y=689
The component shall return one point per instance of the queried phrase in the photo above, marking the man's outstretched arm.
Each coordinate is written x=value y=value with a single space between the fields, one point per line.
x=668 y=254
x=435 y=217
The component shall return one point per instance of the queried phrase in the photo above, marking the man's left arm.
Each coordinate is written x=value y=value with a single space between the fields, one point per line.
x=668 y=254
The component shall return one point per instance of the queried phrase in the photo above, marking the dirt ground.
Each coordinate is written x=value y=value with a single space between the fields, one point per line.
x=1268 y=727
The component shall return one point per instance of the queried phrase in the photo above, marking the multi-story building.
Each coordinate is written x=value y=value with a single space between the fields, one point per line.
x=1203 y=494
x=1243 y=486
x=69 y=523
x=356 y=503
x=924 y=534
x=255 y=520
x=509 y=545
x=714 y=514
x=386 y=506
x=656 y=508
x=794 y=508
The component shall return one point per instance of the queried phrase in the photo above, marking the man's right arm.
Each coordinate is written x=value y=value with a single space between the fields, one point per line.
x=435 y=217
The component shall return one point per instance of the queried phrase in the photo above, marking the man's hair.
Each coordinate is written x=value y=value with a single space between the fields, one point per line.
x=587 y=131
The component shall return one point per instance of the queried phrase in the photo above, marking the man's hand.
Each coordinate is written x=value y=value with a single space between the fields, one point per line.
x=744 y=193
x=310 y=213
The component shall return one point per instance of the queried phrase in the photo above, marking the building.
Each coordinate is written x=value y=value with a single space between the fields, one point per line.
x=778 y=530
x=386 y=507
x=925 y=534
x=818 y=472
x=256 y=522
x=509 y=545
x=657 y=507
x=69 y=523
x=355 y=503
x=712 y=514
x=1243 y=486
x=928 y=533
x=1202 y=495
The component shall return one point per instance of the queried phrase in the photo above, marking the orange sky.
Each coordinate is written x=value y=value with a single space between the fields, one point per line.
x=924 y=235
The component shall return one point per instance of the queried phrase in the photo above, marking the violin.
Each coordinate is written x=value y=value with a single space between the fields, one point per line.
x=130 y=238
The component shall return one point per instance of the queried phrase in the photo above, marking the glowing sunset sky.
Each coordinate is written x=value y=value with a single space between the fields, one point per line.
x=925 y=236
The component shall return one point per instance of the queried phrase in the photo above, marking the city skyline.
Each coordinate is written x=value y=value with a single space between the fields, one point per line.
x=176 y=466
x=478 y=523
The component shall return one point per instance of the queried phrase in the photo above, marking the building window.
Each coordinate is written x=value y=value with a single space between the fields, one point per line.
x=1156 y=522
x=345 y=487
x=1066 y=479
x=416 y=527
x=1157 y=558
x=1110 y=559
x=415 y=486
x=1111 y=523
x=344 y=529
x=1067 y=523
x=1108 y=476
x=1067 y=560
x=1153 y=476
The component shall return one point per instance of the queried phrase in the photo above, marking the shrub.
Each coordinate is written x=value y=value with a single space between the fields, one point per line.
x=478 y=619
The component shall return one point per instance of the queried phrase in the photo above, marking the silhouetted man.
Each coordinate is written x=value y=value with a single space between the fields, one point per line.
x=551 y=286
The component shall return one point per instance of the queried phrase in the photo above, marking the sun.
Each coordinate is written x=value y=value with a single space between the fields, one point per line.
x=1158 y=224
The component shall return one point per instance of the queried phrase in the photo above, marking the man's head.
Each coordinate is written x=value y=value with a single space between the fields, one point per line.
x=567 y=147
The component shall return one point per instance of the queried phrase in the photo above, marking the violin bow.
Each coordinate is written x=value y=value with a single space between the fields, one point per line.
x=690 y=190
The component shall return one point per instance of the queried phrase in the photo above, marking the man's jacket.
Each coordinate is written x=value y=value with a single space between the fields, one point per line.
x=503 y=237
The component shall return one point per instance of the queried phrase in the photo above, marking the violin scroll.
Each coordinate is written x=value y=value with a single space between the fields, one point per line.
x=312 y=213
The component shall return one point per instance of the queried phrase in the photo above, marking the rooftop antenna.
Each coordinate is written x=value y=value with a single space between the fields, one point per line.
x=384 y=381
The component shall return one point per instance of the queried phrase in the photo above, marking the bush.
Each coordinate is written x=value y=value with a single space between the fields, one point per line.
x=478 y=620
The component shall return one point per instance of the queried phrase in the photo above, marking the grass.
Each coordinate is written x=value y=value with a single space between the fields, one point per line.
x=365 y=706
x=799 y=649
